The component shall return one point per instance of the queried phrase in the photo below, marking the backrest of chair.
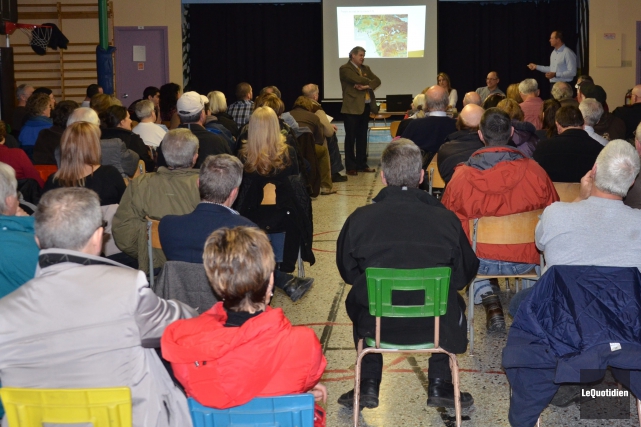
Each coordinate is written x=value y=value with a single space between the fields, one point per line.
x=393 y=128
x=282 y=411
x=140 y=169
x=567 y=191
x=269 y=194
x=46 y=170
x=505 y=230
x=103 y=407
x=152 y=227
x=381 y=282
x=434 y=175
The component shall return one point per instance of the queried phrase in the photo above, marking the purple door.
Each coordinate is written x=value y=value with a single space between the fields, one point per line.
x=141 y=61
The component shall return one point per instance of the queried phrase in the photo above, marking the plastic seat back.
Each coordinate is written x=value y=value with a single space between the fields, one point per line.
x=292 y=410
x=100 y=407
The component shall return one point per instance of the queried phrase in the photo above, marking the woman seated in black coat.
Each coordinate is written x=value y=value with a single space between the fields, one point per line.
x=116 y=123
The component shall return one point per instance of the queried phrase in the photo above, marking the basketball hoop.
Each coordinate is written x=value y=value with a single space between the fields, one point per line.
x=38 y=35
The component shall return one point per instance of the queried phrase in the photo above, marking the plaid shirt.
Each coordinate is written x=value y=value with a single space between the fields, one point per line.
x=240 y=111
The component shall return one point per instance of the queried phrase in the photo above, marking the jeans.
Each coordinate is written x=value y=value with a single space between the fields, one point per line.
x=500 y=268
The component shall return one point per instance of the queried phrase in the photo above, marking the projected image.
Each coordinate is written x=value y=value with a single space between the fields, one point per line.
x=388 y=34
x=384 y=31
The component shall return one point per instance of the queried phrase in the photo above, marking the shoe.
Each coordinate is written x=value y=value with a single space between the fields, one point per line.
x=369 y=170
x=368 y=397
x=440 y=394
x=352 y=172
x=337 y=177
x=566 y=395
x=296 y=287
x=327 y=192
x=494 y=312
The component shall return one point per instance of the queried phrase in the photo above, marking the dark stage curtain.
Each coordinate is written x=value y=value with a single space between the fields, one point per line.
x=262 y=44
x=476 y=38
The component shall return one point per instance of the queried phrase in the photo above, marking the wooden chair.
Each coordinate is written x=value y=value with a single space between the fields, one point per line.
x=501 y=230
x=433 y=176
x=394 y=128
x=381 y=282
x=379 y=116
x=567 y=191
x=153 y=242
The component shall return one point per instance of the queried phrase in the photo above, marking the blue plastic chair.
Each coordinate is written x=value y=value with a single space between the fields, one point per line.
x=291 y=410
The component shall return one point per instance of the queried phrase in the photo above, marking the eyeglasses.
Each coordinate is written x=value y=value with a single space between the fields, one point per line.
x=488 y=79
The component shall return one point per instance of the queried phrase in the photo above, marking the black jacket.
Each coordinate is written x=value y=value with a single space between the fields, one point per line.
x=46 y=144
x=208 y=144
x=458 y=148
x=133 y=142
x=569 y=156
x=631 y=116
x=429 y=133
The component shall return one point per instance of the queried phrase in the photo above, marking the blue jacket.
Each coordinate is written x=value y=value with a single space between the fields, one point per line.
x=567 y=324
x=18 y=252
x=31 y=129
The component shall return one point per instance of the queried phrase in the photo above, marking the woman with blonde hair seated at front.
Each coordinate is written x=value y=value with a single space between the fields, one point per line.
x=243 y=348
x=80 y=165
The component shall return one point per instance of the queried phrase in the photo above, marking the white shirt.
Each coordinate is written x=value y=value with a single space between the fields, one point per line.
x=151 y=133
x=595 y=136
x=563 y=63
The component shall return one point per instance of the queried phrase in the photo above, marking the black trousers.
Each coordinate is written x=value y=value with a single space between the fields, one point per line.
x=356 y=137
x=334 y=155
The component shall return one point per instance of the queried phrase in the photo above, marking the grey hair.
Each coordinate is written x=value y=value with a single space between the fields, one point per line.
x=592 y=110
x=309 y=90
x=217 y=102
x=637 y=133
x=617 y=166
x=20 y=90
x=402 y=163
x=144 y=109
x=66 y=218
x=355 y=51
x=219 y=175
x=83 y=114
x=561 y=90
x=437 y=104
x=528 y=86
x=8 y=185
x=419 y=101
x=179 y=147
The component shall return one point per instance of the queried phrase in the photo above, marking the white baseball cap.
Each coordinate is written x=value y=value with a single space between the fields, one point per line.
x=191 y=103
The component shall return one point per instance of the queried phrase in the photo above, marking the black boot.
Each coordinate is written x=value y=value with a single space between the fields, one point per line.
x=369 y=395
x=440 y=394
x=296 y=287
x=494 y=313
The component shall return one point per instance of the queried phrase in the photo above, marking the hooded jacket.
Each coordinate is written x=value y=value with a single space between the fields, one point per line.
x=222 y=366
x=499 y=181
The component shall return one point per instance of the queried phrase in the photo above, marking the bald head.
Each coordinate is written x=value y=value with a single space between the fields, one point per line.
x=436 y=99
x=471 y=115
x=472 y=98
x=636 y=94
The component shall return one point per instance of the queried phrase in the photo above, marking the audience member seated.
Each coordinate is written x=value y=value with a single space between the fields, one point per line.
x=150 y=132
x=242 y=109
x=569 y=155
x=80 y=165
x=443 y=80
x=171 y=190
x=251 y=349
x=101 y=102
x=576 y=233
x=38 y=111
x=630 y=114
x=416 y=111
x=472 y=98
x=532 y=105
x=49 y=93
x=609 y=126
x=633 y=198
x=151 y=93
x=214 y=126
x=191 y=111
x=548 y=119
x=94 y=321
x=562 y=92
x=524 y=136
x=268 y=159
x=460 y=145
x=418 y=233
x=169 y=96
x=493 y=100
x=514 y=93
x=23 y=92
x=305 y=117
x=113 y=151
x=116 y=124
x=218 y=109
x=496 y=181
x=592 y=110
x=429 y=133
x=18 y=248
x=49 y=139
x=17 y=159
x=92 y=89
x=492 y=87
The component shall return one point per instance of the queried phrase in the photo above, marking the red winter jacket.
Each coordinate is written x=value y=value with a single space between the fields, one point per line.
x=222 y=366
x=499 y=181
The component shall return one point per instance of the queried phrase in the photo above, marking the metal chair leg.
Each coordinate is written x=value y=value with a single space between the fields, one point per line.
x=357 y=382
x=470 y=317
x=457 y=388
x=301 y=265
x=151 y=256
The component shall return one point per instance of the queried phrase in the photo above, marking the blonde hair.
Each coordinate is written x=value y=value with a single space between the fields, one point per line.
x=79 y=146
x=101 y=101
x=514 y=93
x=512 y=108
x=238 y=263
x=447 y=79
x=217 y=102
x=265 y=151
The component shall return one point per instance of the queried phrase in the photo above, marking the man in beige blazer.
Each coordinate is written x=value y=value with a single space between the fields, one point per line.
x=358 y=83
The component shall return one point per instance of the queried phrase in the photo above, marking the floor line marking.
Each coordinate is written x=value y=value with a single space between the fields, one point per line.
x=331 y=318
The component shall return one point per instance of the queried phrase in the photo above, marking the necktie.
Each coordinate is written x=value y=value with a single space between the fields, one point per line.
x=367 y=91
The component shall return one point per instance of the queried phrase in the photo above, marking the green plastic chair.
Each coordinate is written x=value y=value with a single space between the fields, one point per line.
x=381 y=282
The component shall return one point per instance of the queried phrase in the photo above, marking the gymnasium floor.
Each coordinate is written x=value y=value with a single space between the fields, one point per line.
x=404 y=388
